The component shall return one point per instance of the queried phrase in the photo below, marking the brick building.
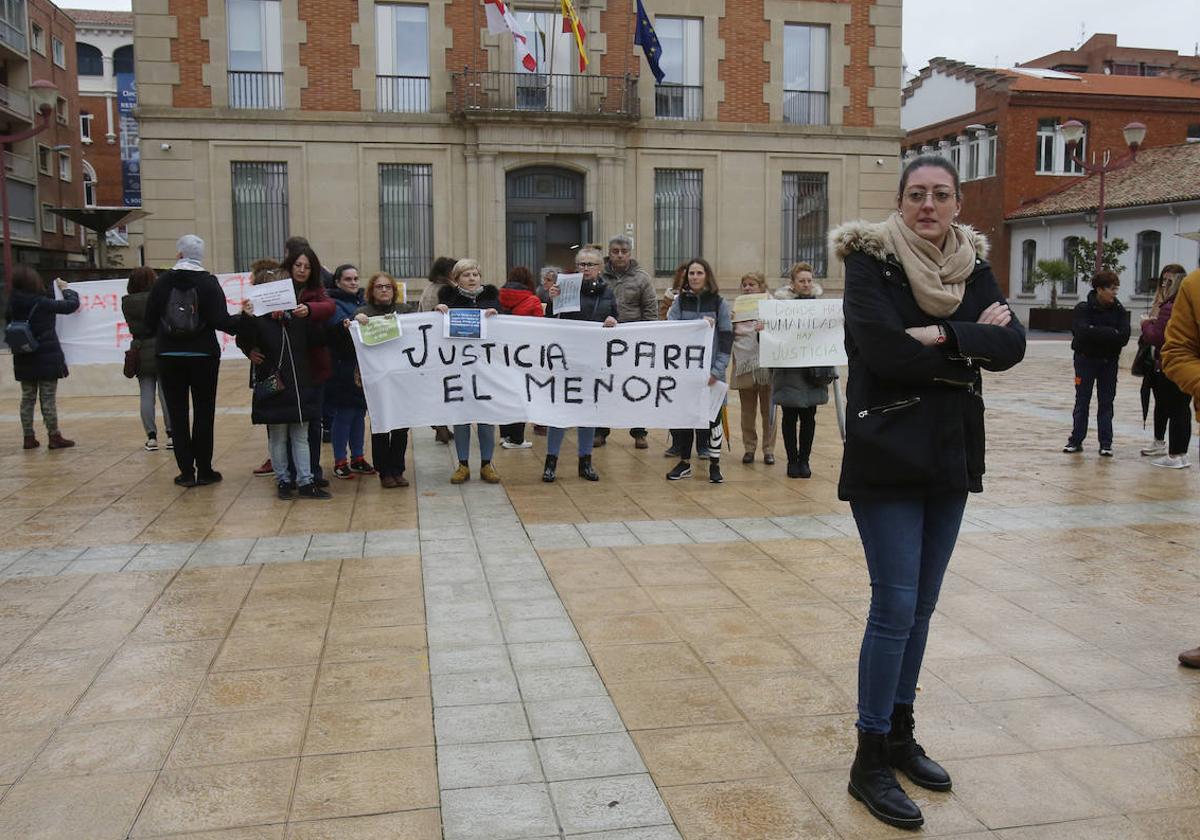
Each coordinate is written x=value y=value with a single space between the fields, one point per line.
x=37 y=41
x=389 y=134
x=1101 y=54
x=1000 y=127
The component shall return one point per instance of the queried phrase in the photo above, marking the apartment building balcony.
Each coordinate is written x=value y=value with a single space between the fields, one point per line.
x=12 y=32
x=806 y=107
x=560 y=96
x=19 y=167
x=22 y=212
x=259 y=90
x=15 y=103
x=402 y=94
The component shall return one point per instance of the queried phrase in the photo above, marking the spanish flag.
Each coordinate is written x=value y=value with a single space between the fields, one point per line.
x=572 y=24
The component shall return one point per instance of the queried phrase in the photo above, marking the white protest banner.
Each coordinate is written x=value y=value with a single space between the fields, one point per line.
x=276 y=296
x=570 y=288
x=96 y=333
x=801 y=333
x=554 y=373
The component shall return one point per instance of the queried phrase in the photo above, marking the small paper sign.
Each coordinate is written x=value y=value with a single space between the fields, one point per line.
x=276 y=296
x=378 y=330
x=465 y=323
x=745 y=307
x=570 y=288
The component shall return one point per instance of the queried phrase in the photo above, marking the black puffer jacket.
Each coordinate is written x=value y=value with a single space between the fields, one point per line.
x=596 y=303
x=914 y=414
x=47 y=361
x=1099 y=332
x=488 y=298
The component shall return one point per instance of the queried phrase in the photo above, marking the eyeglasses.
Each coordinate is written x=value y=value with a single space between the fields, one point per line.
x=917 y=197
x=587 y=264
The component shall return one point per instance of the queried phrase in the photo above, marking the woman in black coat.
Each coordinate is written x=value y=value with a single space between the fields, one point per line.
x=133 y=307
x=924 y=315
x=39 y=371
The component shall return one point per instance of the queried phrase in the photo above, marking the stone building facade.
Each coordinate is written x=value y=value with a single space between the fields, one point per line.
x=391 y=133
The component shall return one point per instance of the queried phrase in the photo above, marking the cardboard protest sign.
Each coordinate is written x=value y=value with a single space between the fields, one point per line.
x=801 y=333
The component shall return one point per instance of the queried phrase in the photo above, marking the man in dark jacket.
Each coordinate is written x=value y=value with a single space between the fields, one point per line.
x=188 y=306
x=1100 y=329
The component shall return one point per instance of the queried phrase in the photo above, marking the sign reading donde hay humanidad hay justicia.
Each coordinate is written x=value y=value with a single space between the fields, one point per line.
x=551 y=372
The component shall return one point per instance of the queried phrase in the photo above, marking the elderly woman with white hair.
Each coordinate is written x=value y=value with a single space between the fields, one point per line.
x=187 y=307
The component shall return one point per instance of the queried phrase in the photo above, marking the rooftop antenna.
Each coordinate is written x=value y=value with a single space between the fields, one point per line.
x=1082 y=32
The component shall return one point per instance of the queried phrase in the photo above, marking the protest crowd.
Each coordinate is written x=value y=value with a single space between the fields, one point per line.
x=924 y=317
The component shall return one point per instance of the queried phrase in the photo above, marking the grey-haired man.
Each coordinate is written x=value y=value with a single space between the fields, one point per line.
x=636 y=301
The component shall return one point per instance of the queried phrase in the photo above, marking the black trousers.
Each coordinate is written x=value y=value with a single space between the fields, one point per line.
x=513 y=431
x=388 y=450
x=194 y=379
x=1172 y=414
x=799 y=446
x=314 y=439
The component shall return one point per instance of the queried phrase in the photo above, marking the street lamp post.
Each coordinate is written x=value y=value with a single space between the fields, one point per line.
x=1072 y=131
x=43 y=94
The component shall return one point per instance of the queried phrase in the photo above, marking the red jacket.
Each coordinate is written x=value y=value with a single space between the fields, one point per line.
x=517 y=300
x=320 y=309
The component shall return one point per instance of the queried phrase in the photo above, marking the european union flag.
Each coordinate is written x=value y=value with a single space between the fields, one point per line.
x=648 y=39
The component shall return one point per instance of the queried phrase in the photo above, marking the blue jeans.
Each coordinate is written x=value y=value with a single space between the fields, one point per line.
x=462 y=441
x=908 y=546
x=282 y=437
x=554 y=439
x=1101 y=374
x=348 y=431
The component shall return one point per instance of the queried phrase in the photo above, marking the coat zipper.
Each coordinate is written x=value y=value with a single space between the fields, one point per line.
x=889 y=407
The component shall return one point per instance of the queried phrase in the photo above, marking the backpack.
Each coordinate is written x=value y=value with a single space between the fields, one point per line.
x=18 y=335
x=181 y=317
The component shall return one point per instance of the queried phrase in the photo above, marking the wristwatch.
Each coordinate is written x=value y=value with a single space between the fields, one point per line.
x=941 y=339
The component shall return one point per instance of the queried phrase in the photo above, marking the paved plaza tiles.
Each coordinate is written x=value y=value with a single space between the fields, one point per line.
x=627 y=660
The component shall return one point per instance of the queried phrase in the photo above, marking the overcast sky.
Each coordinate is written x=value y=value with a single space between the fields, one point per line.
x=999 y=33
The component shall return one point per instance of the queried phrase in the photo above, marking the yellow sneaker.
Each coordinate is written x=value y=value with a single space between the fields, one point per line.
x=488 y=473
x=461 y=474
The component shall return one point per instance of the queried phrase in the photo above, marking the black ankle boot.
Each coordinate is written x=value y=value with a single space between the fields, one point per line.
x=908 y=756
x=548 y=470
x=873 y=783
x=585 y=468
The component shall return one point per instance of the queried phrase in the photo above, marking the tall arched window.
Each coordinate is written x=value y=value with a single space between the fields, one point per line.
x=1028 y=263
x=1149 y=247
x=89 y=59
x=123 y=59
x=89 y=185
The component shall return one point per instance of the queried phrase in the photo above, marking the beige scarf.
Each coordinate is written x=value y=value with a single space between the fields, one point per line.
x=937 y=276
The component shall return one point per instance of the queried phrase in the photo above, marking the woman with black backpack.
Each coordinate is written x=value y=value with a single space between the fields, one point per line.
x=38 y=360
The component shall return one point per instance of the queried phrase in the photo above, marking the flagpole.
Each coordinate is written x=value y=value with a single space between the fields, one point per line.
x=550 y=76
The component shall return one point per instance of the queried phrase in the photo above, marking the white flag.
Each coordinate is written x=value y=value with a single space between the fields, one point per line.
x=500 y=20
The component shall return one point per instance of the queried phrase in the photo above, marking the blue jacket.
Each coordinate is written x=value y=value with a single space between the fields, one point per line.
x=691 y=307
x=340 y=390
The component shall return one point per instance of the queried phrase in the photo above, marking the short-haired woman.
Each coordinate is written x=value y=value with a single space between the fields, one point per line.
x=699 y=298
x=468 y=291
x=1173 y=403
x=751 y=381
x=1100 y=329
x=389 y=447
x=924 y=315
x=39 y=370
x=133 y=307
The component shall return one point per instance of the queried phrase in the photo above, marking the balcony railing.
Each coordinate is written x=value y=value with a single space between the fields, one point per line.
x=13 y=37
x=16 y=103
x=806 y=107
x=256 y=89
x=678 y=102
x=20 y=167
x=404 y=94
x=568 y=95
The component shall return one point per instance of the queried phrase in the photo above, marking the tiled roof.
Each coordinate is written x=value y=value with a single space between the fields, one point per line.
x=1160 y=175
x=1182 y=85
x=96 y=17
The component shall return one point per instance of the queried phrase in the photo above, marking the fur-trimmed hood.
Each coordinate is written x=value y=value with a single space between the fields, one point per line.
x=868 y=238
x=786 y=293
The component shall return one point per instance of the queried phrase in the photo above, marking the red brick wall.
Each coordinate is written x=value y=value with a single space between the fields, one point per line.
x=329 y=55
x=190 y=52
x=104 y=157
x=744 y=29
x=859 y=77
x=465 y=19
x=51 y=189
x=621 y=57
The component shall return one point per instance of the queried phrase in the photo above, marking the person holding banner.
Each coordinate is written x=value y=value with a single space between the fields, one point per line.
x=342 y=393
x=923 y=316
x=518 y=297
x=467 y=291
x=188 y=306
x=636 y=299
x=596 y=304
x=698 y=298
x=39 y=367
x=389 y=447
x=752 y=382
x=133 y=307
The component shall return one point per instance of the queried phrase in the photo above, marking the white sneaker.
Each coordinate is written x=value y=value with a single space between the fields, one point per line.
x=1159 y=447
x=508 y=444
x=151 y=444
x=1172 y=462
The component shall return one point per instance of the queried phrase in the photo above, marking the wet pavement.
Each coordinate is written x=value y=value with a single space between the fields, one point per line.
x=628 y=660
